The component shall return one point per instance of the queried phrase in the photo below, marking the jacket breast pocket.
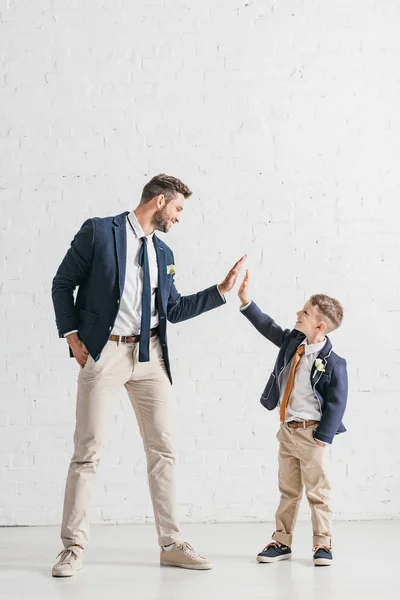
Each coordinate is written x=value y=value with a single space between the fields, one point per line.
x=168 y=283
x=87 y=320
x=325 y=377
x=167 y=288
x=323 y=381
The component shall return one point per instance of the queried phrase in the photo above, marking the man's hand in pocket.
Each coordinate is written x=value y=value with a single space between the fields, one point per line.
x=78 y=348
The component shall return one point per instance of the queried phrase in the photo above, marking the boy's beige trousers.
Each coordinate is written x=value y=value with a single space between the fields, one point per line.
x=301 y=463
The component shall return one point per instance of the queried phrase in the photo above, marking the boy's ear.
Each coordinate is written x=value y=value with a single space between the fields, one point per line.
x=322 y=326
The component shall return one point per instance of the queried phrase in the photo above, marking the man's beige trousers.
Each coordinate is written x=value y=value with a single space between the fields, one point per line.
x=301 y=462
x=149 y=390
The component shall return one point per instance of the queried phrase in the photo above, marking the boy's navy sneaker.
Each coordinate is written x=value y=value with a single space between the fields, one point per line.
x=322 y=556
x=274 y=552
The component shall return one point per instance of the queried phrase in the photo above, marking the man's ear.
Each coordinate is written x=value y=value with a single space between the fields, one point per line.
x=160 y=201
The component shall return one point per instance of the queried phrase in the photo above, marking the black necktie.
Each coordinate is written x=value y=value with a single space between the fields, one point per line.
x=144 y=341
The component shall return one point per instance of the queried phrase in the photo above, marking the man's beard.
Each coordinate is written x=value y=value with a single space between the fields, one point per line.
x=160 y=220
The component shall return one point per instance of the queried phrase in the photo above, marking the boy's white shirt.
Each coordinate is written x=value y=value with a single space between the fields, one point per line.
x=302 y=404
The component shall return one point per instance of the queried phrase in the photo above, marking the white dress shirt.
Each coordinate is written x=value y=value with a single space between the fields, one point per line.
x=302 y=403
x=130 y=308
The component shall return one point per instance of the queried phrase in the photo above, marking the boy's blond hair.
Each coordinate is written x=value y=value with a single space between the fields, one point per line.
x=330 y=309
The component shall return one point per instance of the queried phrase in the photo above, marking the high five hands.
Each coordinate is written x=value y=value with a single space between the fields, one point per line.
x=232 y=276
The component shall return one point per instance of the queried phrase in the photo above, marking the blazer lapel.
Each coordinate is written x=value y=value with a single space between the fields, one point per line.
x=323 y=355
x=120 y=248
x=162 y=272
x=292 y=347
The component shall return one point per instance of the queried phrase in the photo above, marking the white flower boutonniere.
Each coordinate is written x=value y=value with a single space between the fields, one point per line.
x=171 y=270
x=319 y=366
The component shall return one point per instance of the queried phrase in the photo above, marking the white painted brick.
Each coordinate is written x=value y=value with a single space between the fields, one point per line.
x=290 y=145
x=7 y=515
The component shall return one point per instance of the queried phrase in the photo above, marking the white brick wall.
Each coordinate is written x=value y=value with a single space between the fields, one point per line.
x=283 y=117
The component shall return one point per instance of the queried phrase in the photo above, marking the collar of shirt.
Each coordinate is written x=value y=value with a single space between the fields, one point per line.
x=137 y=228
x=313 y=348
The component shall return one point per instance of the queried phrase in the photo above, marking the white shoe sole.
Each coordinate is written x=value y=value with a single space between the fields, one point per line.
x=322 y=562
x=186 y=566
x=265 y=559
x=66 y=575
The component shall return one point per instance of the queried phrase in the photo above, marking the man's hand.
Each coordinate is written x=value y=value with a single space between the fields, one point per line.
x=232 y=276
x=78 y=348
x=319 y=443
x=243 y=292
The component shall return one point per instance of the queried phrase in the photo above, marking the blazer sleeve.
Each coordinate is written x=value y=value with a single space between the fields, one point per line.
x=265 y=325
x=181 y=308
x=73 y=270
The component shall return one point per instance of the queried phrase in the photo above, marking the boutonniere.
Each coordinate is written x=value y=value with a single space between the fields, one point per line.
x=171 y=270
x=319 y=366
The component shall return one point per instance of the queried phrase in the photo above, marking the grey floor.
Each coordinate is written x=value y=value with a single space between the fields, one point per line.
x=122 y=563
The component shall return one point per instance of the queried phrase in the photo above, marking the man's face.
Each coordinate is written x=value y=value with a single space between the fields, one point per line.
x=309 y=320
x=167 y=215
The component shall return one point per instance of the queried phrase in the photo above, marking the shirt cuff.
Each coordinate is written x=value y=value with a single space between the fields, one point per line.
x=222 y=295
x=69 y=332
x=244 y=306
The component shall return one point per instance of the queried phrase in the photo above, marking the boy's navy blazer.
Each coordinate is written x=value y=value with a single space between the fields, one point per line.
x=330 y=386
x=96 y=262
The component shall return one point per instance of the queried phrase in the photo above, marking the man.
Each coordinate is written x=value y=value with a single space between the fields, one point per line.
x=116 y=330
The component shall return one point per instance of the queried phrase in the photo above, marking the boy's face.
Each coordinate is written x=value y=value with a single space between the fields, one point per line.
x=309 y=321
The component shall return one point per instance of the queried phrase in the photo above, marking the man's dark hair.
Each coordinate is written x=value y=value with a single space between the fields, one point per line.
x=164 y=184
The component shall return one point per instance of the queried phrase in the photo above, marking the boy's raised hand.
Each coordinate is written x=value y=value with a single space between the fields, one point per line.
x=243 y=290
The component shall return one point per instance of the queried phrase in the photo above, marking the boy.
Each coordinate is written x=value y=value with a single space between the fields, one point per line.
x=309 y=383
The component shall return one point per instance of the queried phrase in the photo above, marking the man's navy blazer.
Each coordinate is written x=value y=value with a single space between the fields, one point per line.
x=329 y=386
x=96 y=263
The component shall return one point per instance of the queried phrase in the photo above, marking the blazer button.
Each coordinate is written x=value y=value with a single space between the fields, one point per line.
x=109 y=329
x=117 y=301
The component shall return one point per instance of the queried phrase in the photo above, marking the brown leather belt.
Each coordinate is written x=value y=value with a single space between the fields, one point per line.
x=131 y=339
x=303 y=424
